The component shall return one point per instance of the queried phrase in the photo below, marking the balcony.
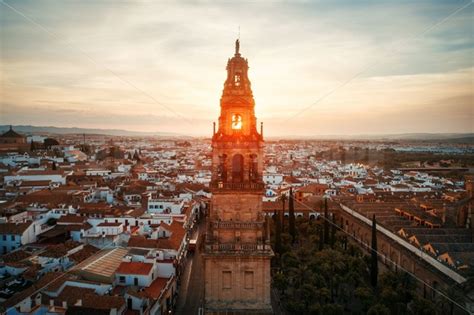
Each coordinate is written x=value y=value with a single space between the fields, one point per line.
x=237 y=186
x=237 y=225
x=238 y=248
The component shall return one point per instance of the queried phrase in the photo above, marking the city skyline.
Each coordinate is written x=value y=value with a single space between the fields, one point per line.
x=337 y=68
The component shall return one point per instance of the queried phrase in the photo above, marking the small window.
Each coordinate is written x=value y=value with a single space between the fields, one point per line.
x=122 y=279
x=227 y=279
x=237 y=79
x=13 y=237
x=4 y=237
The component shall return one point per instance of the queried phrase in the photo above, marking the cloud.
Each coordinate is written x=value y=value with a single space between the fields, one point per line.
x=176 y=53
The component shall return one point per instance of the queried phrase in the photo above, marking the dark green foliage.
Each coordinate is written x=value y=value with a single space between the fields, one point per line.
x=332 y=239
x=282 y=214
x=115 y=152
x=326 y=221
x=374 y=269
x=315 y=279
x=136 y=156
x=51 y=221
x=379 y=309
x=49 y=142
x=321 y=239
x=277 y=247
x=291 y=221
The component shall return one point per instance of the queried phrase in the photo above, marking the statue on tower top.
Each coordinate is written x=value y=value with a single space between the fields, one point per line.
x=237 y=46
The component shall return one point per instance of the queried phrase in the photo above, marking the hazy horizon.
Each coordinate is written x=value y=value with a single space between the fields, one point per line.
x=376 y=68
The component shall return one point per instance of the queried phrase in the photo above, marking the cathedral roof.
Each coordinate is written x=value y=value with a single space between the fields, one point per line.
x=11 y=134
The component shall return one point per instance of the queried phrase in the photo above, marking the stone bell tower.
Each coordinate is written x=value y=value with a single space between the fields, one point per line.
x=237 y=249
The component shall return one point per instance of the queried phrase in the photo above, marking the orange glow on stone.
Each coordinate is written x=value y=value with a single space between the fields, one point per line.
x=236 y=121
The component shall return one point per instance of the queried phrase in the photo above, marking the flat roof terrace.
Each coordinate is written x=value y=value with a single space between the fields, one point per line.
x=101 y=267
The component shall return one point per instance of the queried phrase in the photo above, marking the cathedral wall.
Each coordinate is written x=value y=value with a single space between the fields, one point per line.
x=236 y=206
x=235 y=282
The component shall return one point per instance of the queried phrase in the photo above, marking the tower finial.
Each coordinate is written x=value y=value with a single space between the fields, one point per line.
x=237 y=46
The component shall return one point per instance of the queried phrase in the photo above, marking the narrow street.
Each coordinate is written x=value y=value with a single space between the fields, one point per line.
x=191 y=291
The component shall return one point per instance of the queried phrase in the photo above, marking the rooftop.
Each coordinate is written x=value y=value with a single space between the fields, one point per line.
x=134 y=268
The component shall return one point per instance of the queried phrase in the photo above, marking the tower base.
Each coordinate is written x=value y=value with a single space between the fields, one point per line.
x=237 y=284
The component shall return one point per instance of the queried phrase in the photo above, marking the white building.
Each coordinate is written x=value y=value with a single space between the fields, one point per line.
x=14 y=235
x=161 y=205
x=272 y=178
x=26 y=174
x=131 y=273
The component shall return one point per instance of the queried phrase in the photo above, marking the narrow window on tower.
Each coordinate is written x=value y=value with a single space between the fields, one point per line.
x=237 y=79
x=236 y=121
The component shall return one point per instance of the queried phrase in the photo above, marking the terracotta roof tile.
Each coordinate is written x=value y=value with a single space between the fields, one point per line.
x=134 y=268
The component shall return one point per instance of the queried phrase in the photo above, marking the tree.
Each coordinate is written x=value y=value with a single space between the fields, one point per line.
x=380 y=309
x=332 y=309
x=373 y=257
x=280 y=282
x=326 y=221
x=291 y=210
x=366 y=156
x=423 y=306
x=49 y=142
x=277 y=233
x=136 y=156
x=51 y=221
x=282 y=215
x=343 y=156
x=321 y=238
x=365 y=296
x=333 y=230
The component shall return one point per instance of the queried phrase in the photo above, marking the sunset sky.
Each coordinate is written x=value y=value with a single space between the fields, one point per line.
x=317 y=68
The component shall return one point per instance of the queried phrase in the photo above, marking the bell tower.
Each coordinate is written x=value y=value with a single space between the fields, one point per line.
x=237 y=249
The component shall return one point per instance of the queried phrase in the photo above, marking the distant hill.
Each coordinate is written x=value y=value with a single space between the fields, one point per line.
x=27 y=129
x=429 y=137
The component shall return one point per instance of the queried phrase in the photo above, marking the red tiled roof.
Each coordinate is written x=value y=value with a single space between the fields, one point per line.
x=173 y=242
x=14 y=228
x=110 y=224
x=71 y=218
x=134 y=268
x=155 y=288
